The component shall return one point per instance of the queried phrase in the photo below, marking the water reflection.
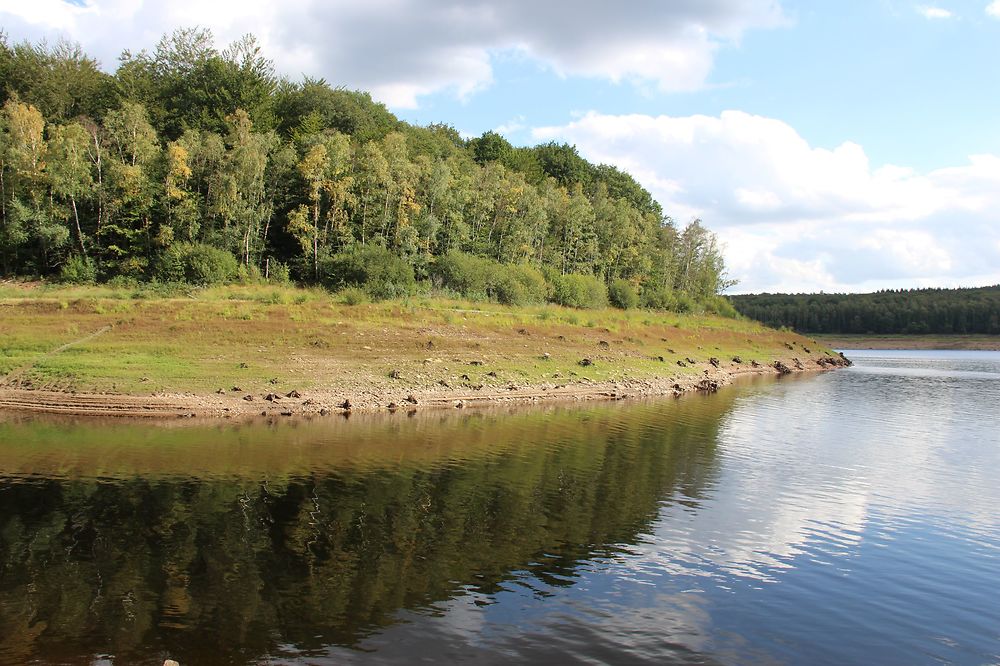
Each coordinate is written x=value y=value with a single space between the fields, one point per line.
x=224 y=543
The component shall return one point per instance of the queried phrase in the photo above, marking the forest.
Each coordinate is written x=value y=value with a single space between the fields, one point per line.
x=191 y=164
x=913 y=311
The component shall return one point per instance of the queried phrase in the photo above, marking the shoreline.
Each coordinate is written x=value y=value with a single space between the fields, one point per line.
x=380 y=399
x=917 y=342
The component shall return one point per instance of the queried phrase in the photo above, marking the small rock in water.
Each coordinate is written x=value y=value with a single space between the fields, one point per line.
x=737 y=359
x=781 y=368
x=682 y=364
x=394 y=374
x=714 y=361
x=585 y=362
x=707 y=385
x=221 y=391
x=248 y=398
x=170 y=662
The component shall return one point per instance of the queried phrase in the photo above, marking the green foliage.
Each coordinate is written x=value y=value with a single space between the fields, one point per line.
x=623 y=295
x=196 y=263
x=657 y=297
x=912 y=311
x=479 y=278
x=722 y=306
x=491 y=147
x=199 y=146
x=78 y=270
x=579 y=291
x=278 y=273
x=381 y=273
x=464 y=273
x=352 y=296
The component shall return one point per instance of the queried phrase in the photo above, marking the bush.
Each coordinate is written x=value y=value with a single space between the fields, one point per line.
x=579 y=291
x=375 y=269
x=721 y=306
x=658 y=298
x=623 y=295
x=467 y=274
x=196 y=263
x=352 y=296
x=78 y=270
x=532 y=282
x=479 y=278
x=278 y=273
x=683 y=303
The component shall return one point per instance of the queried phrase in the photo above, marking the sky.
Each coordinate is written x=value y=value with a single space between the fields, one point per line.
x=847 y=145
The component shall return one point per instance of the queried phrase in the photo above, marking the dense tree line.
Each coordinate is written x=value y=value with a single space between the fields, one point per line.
x=191 y=163
x=940 y=311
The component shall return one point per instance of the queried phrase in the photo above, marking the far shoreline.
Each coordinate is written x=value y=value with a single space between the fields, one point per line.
x=916 y=342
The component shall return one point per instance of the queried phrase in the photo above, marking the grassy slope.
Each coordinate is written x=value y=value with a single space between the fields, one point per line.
x=279 y=338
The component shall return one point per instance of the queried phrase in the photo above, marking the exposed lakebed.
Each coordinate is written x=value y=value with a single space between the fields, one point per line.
x=844 y=517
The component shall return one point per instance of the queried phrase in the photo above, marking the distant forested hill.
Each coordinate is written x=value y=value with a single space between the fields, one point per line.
x=191 y=163
x=938 y=311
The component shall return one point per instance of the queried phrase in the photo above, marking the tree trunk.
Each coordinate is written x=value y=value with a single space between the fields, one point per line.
x=79 y=231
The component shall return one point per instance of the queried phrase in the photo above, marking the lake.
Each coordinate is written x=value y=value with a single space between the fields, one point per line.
x=850 y=517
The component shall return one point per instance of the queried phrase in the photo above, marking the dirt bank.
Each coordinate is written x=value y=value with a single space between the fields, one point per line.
x=234 y=402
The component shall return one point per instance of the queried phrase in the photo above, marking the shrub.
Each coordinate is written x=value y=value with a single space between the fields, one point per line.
x=579 y=291
x=658 y=297
x=721 y=306
x=531 y=281
x=78 y=270
x=465 y=273
x=375 y=269
x=352 y=296
x=683 y=303
x=479 y=278
x=196 y=263
x=278 y=273
x=623 y=295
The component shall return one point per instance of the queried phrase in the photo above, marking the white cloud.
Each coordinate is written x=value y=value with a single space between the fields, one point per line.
x=796 y=217
x=402 y=49
x=515 y=124
x=993 y=9
x=935 y=12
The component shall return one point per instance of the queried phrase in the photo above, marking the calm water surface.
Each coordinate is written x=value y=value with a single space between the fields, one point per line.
x=851 y=517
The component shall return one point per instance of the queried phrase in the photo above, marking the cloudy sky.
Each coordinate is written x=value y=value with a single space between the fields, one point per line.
x=836 y=146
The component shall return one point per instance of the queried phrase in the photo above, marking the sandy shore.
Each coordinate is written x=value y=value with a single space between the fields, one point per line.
x=380 y=397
